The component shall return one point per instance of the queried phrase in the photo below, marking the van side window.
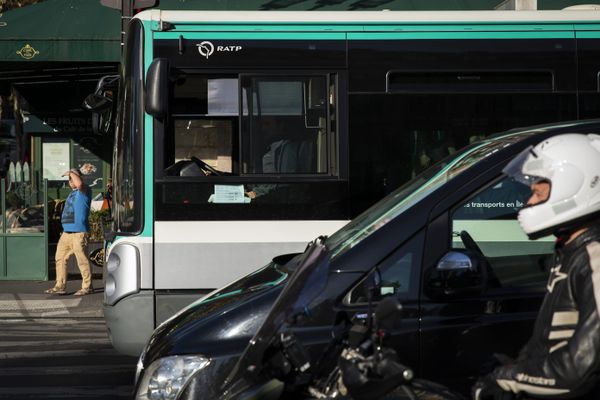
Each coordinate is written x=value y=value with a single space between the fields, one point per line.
x=398 y=275
x=490 y=218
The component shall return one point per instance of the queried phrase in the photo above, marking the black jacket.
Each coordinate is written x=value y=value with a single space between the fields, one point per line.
x=562 y=358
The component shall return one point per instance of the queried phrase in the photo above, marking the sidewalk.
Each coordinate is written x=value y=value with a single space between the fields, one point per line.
x=26 y=299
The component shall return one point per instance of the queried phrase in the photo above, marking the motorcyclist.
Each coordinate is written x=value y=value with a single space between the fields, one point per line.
x=562 y=358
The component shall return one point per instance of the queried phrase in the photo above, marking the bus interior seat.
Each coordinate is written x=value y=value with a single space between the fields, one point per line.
x=306 y=156
x=296 y=156
x=287 y=160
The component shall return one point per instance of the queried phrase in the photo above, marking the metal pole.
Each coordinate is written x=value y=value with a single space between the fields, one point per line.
x=126 y=14
x=126 y=7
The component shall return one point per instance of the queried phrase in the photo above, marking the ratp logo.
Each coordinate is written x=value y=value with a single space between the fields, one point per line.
x=206 y=49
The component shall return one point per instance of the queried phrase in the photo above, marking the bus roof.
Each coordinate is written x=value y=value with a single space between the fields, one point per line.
x=369 y=17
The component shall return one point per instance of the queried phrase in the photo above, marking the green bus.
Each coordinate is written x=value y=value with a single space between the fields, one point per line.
x=242 y=135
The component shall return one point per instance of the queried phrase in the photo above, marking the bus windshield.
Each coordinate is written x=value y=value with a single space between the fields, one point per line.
x=127 y=211
x=413 y=191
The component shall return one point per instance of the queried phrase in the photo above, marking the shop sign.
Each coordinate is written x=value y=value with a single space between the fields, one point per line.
x=27 y=52
x=70 y=124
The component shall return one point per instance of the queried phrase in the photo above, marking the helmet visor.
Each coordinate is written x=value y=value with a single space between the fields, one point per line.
x=524 y=166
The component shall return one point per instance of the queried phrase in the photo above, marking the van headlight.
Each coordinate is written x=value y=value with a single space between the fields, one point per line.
x=166 y=378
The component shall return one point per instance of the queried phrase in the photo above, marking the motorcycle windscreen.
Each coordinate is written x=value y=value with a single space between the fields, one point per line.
x=306 y=284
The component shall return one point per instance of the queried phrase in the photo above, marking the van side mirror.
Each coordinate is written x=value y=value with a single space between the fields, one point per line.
x=157 y=88
x=458 y=273
x=456 y=261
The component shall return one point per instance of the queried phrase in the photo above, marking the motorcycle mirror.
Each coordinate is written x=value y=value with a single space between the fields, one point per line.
x=387 y=311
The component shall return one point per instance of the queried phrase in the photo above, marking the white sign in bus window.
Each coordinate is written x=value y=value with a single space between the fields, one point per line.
x=55 y=160
x=223 y=97
x=229 y=194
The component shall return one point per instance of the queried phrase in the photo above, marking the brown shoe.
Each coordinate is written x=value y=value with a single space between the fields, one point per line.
x=55 y=291
x=83 y=292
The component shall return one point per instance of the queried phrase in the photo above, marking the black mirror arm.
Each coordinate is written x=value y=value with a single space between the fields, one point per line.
x=370 y=294
x=370 y=308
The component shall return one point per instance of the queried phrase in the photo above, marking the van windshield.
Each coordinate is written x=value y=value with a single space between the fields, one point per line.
x=416 y=189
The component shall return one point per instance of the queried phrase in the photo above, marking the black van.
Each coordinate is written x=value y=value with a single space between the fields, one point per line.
x=447 y=244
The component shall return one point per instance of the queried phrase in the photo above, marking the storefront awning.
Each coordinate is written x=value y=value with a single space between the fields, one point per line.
x=61 y=30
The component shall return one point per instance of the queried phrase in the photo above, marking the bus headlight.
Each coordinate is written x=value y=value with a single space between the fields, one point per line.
x=122 y=275
x=166 y=378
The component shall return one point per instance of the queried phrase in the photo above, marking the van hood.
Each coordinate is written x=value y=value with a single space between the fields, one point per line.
x=224 y=320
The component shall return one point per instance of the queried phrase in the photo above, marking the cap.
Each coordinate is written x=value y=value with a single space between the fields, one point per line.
x=74 y=171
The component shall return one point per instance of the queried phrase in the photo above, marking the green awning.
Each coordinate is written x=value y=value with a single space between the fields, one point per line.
x=61 y=30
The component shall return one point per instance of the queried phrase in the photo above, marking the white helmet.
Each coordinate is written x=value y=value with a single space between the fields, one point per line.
x=571 y=164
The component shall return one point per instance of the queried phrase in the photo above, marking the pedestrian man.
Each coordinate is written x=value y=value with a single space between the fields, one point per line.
x=562 y=358
x=73 y=240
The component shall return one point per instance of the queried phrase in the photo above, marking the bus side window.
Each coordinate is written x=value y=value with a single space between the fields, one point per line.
x=203 y=138
x=199 y=142
x=284 y=125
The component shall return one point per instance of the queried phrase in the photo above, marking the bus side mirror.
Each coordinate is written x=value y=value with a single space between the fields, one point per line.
x=102 y=112
x=102 y=104
x=97 y=103
x=157 y=88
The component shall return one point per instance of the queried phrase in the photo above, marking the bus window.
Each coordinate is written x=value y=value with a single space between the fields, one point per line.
x=284 y=129
x=203 y=137
x=210 y=140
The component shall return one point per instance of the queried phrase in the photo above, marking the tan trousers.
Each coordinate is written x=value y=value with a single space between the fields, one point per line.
x=68 y=244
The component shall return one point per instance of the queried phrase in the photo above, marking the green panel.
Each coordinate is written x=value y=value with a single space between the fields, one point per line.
x=461 y=27
x=254 y=35
x=26 y=257
x=148 y=216
x=461 y=35
x=588 y=35
x=395 y=35
x=263 y=27
x=360 y=27
x=587 y=27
